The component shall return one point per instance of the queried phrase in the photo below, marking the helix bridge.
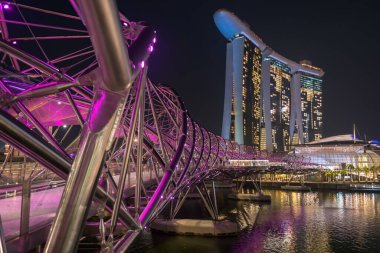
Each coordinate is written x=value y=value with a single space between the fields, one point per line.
x=78 y=107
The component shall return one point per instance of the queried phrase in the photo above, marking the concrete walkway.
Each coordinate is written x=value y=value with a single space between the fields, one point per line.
x=43 y=206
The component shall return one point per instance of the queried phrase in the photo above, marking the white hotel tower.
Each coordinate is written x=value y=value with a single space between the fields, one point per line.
x=270 y=102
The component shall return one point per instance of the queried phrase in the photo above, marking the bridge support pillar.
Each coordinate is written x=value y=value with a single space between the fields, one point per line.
x=257 y=193
x=25 y=201
x=208 y=200
x=111 y=89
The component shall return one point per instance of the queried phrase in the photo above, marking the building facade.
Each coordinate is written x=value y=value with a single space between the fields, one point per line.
x=242 y=101
x=271 y=102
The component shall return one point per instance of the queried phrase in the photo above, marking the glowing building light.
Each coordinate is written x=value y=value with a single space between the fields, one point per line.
x=64 y=126
x=142 y=64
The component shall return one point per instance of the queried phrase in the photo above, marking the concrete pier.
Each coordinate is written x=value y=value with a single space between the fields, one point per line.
x=251 y=197
x=196 y=227
x=222 y=184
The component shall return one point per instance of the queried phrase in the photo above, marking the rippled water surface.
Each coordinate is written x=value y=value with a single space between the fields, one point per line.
x=293 y=222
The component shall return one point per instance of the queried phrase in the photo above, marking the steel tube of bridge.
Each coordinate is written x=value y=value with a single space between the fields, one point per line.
x=25 y=201
x=140 y=133
x=185 y=169
x=147 y=214
x=128 y=148
x=164 y=151
x=40 y=65
x=5 y=35
x=24 y=139
x=112 y=86
x=3 y=247
x=31 y=60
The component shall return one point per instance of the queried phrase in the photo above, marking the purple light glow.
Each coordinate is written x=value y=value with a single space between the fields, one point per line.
x=14 y=42
x=125 y=24
x=154 y=40
x=6 y=6
x=142 y=64
x=16 y=87
x=150 y=48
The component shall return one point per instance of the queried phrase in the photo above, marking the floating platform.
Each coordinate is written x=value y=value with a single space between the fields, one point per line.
x=365 y=187
x=295 y=188
x=196 y=227
x=251 y=197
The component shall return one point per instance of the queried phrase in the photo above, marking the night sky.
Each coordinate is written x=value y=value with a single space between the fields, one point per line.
x=342 y=37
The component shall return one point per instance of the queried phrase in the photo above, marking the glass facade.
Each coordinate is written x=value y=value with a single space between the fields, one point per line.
x=280 y=78
x=251 y=83
x=276 y=102
x=311 y=106
x=333 y=156
x=254 y=82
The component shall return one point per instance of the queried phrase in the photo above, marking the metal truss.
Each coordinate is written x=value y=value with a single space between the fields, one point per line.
x=76 y=100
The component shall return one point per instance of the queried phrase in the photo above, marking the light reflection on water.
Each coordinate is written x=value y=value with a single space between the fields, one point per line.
x=293 y=222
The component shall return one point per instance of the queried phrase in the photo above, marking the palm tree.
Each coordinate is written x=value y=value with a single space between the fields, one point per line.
x=374 y=173
x=343 y=173
x=336 y=174
x=351 y=168
x=365 y=170
x=329 y=174
x=358 y=172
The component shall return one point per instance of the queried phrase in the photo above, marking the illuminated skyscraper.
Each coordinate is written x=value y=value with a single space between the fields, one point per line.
x=270 y=101
x=280 y=78
x=242 y=101
x=311 y=105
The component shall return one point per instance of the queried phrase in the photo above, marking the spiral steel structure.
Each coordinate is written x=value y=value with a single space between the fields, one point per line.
x=76 y=100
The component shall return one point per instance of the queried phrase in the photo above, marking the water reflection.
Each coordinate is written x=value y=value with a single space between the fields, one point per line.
x=293 y=222
x=314 y=222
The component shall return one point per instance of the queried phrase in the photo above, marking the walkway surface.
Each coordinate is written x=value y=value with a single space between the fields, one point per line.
x=43 y=206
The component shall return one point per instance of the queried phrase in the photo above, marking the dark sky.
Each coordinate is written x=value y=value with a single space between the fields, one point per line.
x=342 y=37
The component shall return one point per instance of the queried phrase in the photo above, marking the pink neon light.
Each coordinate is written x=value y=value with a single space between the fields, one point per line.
x=6 y=6
x=14 y=42
x=142 y=64
x=125 y=23
x=154 y=40
x=150 y=48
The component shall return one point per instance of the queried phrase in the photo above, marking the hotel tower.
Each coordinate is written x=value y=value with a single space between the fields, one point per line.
x=270 y=102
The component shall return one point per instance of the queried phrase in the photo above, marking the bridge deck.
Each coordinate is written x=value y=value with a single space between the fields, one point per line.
x=43 y=206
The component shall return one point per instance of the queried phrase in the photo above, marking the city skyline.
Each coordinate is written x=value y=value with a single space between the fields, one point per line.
x=192 y=49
